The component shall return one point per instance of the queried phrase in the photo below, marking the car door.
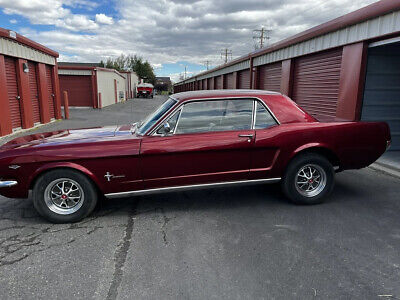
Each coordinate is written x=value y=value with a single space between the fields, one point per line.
x=210 y=141
x=266 y=146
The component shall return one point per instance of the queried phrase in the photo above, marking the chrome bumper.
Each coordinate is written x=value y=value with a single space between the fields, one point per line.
x=8 y=183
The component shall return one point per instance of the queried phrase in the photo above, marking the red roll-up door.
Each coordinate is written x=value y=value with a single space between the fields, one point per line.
x=210 y=83
x=244 y=79
x=218 y=83
x=269 y=77
x=316 y=83
x=79 y=89
x=33 y=88
x=200 y=84
x=229 y=81
x=12 y=90
x=51 y=92
x=204 y=84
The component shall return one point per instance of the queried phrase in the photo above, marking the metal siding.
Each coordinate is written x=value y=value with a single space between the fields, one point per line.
x=210 y=83
x=79 y=89
x=218 y=82
x=74 y=72
x=229 y=81
x=230 y=69
x=382 y=89
x=269 y=77
x=244 y=79
x=12 y=89
x=34 y=93
x=13 y=48
x=316 y=83
x=51 y=92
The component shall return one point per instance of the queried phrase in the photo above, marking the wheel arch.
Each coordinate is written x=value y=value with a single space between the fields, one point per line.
x=71 y=166
x=320 y=149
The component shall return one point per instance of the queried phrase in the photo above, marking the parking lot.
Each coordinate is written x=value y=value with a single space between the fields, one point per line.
x=236 y=243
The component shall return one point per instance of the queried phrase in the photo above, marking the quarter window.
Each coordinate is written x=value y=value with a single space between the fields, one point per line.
x=264 y=118
x=215 y=115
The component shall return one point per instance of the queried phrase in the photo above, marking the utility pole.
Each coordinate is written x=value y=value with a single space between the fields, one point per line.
x=185 y=72
x=226 y=54
x=261 y=37
x=207 y=63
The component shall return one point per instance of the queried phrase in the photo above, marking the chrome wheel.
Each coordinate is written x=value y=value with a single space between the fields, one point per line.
x=310 y=180
x=64 y=196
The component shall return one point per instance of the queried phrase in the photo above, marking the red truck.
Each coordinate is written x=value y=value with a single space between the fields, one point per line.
x=145 y=90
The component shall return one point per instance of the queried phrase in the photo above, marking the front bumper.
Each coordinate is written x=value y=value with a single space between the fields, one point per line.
x=8 y=183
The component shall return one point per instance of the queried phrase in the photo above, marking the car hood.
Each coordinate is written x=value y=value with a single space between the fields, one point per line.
x=70 y=136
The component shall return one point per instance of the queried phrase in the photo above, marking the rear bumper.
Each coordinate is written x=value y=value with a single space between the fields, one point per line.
x=8 y=183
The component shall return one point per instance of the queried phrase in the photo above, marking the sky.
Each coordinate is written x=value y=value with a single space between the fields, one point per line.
x=170 y=34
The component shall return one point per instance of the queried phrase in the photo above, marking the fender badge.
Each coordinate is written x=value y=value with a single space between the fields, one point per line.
x=14 y=167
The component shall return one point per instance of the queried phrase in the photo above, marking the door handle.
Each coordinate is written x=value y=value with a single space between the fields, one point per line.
x=250 y=136
x=18 y=97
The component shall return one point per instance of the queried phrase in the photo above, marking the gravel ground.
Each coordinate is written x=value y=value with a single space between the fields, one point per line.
x=236 y=243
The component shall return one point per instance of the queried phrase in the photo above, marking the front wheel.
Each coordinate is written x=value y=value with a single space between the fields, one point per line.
x=309 y=179
x=64 y=196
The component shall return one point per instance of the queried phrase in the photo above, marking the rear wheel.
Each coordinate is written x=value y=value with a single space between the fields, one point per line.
x=309 y=179
x=64 y=196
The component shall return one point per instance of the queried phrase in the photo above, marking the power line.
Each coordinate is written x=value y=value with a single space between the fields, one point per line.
x=261 y=37
x=207 y=63
x=226 y=55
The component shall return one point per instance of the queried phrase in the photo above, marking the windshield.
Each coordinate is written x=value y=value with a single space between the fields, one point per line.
x=155 y=116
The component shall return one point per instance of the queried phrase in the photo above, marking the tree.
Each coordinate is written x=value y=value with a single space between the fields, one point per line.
x=132 y=63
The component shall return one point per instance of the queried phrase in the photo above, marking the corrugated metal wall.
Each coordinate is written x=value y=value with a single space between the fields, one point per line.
x=269 y=77
x=230 y=81
x=218 y=83
x=210 y=83
x=316 y=83
x=50 y=89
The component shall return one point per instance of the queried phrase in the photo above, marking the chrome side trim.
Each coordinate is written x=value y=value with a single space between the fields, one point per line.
x=191 y=187
x=8 y=183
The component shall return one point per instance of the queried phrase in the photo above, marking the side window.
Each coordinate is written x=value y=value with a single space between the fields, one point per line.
x=171 y=121
x=263 y=117
x=215 y=115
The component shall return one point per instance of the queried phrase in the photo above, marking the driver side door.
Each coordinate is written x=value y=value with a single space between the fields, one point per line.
x=210 y=141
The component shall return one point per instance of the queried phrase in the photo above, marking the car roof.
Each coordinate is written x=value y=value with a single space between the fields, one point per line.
x=204 y=94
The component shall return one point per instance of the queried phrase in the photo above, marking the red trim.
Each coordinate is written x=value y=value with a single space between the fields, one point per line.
x=371 y=11
x=351 y=82
x=27 y=42
x=287 y=77
x=5 y=118
x=94 y=89
x=57 y=94
x=100 y=104
x=24 y=93
x=43 y=94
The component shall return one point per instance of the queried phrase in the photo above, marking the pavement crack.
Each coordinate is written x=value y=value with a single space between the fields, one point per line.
x=120 y=255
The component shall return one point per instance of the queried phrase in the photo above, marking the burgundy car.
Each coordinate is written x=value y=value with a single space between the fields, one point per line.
x=194 y=139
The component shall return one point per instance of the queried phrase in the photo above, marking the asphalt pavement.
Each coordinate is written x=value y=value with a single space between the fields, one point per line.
x=236 y=243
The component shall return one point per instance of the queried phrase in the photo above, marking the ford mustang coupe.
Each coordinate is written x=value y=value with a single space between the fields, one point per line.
x=194 y=139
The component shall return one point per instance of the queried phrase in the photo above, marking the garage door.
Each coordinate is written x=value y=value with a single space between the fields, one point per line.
x=34 y=93
x=218 y=83
x=244 y=79
x=381 y=100
x=269 y=77
x=79 y=89
x=51 y=92
x=210 y=83
x=229 y=81
x=12 y=90
x=316 y=83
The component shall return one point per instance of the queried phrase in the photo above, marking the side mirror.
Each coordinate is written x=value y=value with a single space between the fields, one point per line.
x=166 y=129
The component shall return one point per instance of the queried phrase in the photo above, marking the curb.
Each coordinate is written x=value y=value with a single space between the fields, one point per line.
x=383 y=168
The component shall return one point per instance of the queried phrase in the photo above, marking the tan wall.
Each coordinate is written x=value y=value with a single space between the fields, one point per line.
x=105 y=86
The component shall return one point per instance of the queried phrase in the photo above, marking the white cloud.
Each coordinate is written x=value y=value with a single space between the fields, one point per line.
x=103 y=19
x=171 y=30
x=13 y=21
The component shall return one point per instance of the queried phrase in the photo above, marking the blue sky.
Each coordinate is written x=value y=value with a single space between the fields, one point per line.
x=170 y=34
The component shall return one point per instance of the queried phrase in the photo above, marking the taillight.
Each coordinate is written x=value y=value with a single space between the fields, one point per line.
x=388 y=143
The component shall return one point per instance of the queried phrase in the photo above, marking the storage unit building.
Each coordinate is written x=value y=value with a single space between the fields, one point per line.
x=346 y=69
x=28 y=83
x=131 y=82
x=89 y=86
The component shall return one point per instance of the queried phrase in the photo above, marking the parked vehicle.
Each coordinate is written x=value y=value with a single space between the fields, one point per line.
x=193 y=140
x=145 y=90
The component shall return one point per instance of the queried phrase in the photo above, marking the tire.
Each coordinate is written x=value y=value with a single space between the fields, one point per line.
x=79 y=203
x=315 y=190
